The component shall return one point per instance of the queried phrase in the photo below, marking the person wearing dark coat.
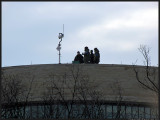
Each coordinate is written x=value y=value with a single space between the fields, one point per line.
x=91 y=57
x=79 y=58
x=86 y=54
x=96 y=56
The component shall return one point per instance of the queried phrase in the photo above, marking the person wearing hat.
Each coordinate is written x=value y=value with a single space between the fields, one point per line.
x=79 y=58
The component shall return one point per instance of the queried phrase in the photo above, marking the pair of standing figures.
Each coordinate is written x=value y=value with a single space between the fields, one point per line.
x=89 y=57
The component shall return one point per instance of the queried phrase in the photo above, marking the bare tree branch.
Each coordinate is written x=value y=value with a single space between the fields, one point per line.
x=149 y=79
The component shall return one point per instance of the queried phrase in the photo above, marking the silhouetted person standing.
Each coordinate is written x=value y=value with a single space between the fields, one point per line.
x=96 y=56
x=91 y=57
x=86 y=55
x=79 y=58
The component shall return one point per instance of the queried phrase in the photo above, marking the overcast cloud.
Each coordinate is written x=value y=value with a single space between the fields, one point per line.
x=30 y=31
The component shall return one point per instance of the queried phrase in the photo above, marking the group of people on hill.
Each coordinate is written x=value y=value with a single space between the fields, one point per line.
x=88 y=56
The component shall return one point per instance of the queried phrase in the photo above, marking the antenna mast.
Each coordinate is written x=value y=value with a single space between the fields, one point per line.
x=61 y=35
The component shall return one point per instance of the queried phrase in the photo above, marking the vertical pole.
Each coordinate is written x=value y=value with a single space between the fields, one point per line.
x=60 y=53
x=59 y=57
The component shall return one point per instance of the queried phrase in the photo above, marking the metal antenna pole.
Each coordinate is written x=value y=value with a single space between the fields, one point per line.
x=61 y=35
x=59 y=56
x=60 y=52
x=60 y=45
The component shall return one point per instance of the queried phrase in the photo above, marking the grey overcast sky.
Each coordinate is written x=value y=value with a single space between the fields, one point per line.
x=30 y=31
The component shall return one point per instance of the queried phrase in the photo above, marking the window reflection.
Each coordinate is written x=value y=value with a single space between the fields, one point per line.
x=135 y=113
x=115 y=113
x=109 y=111
x=141 y=112
x=81 y=111
x=154 y=113
x=40 y=111
x=34 y=111
x=147 y=113
x=122 y=112
x=128 y=112
x=28 y=112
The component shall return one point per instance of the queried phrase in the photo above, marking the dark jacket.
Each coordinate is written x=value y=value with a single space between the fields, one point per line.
x=79 y=58
x=86 y=56
x=91 y=58
x=97 y=57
